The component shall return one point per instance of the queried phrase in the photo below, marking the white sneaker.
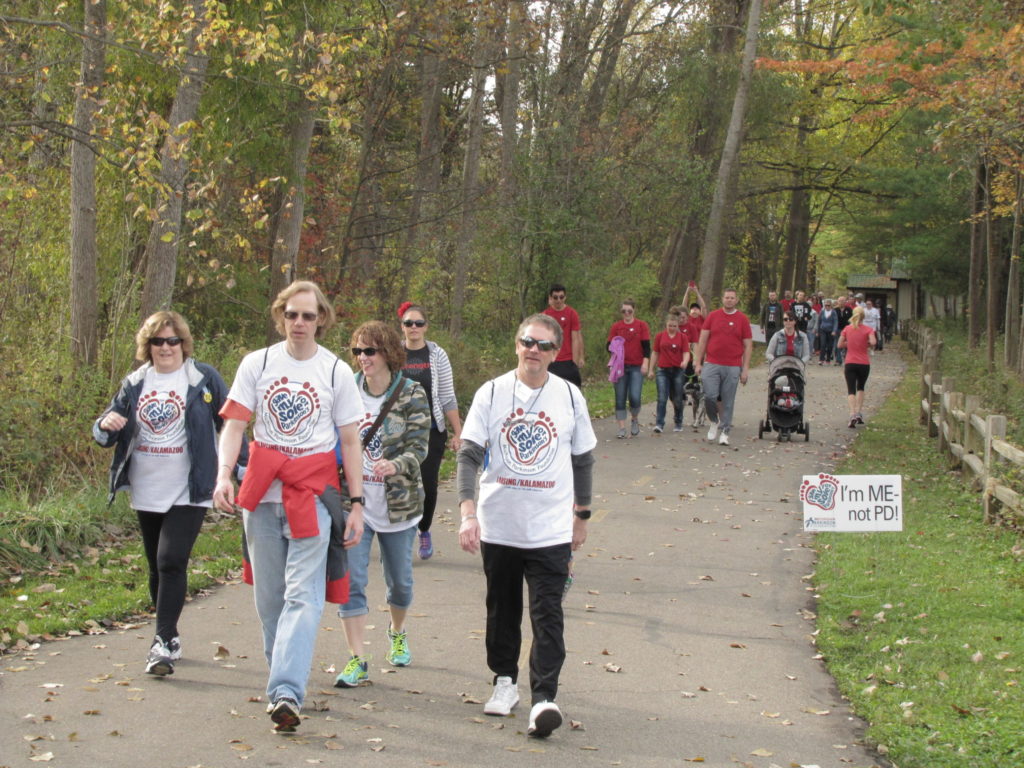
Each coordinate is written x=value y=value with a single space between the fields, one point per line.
x=713 y=431
x=723 y=439
x=504 y=698
x=544 y=718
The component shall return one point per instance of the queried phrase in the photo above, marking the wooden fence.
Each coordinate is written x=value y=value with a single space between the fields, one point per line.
x=973 y=440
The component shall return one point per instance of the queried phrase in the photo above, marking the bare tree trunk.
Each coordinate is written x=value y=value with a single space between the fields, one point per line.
x=1013 y=306
x=162 y=246
x=84 y=304
x=470 y=184
x=716 y=237
x=285 y=251
x=509 y=107
x=991 y=281
x=974 y=276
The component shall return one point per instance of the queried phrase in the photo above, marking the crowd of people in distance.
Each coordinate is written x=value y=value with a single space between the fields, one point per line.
x=341 y=453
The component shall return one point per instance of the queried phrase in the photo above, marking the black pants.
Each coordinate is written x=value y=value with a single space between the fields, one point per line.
x=545 y=570
x=429 y=470
x=568 y=370
x=168 y=539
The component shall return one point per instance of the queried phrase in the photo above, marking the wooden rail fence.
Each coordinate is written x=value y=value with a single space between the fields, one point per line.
x=973 y=440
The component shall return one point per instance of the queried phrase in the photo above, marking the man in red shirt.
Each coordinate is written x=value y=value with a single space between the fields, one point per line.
x=722 y=361
x=570 y=357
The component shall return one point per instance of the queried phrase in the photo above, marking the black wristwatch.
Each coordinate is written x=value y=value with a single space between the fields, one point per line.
x=358 y=499
x=582 y=514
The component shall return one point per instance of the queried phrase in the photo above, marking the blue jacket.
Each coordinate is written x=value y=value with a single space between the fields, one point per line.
x=206 y=394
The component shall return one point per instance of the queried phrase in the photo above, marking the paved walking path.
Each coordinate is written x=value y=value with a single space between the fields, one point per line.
x=689 y=635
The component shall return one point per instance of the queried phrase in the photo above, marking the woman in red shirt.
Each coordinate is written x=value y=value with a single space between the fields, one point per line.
x=856 y=339
x=669 y=358
x=637 y=350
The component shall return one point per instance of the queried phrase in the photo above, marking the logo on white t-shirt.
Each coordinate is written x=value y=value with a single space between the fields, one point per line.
x=374 y=450
x=161 y=416
x=528 y=442
x=293 y=410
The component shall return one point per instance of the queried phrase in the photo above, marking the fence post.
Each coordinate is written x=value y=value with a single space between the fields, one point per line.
x=995 y=427
x=945 y=405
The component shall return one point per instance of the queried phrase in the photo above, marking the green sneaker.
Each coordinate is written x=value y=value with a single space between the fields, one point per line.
x=354 y=673
x=399 y=655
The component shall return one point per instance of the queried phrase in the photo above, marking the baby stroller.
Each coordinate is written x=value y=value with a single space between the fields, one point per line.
x=785 y=399
x=693 y=393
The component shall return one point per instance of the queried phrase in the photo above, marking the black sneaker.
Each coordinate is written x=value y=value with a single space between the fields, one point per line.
x=285 y=715
x=159 y=661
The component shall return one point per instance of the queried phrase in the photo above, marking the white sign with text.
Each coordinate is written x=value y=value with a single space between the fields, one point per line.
x=852 y=502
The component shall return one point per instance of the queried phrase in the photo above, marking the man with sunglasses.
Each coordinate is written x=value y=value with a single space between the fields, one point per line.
x=304 y=401
x=569 y=360
x=533 y=509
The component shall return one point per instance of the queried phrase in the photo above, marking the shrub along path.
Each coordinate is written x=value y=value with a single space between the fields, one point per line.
x=689 y=634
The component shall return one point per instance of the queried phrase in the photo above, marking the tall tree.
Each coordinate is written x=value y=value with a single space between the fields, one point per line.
x=84 y=304
x=712 y=268
x=164 y=235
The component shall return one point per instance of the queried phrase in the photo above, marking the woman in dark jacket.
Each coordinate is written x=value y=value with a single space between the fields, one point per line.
x=163 y=425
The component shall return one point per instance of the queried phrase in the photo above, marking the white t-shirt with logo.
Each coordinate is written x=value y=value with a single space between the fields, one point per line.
x=375 y=510
x=158 y=473
x=526 y=490
x=297 y=409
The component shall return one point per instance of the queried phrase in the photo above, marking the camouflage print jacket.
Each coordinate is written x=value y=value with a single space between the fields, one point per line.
x=401 y=438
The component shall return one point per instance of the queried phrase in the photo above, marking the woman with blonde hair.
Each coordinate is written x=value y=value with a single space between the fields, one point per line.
x=856 y=338
x=163 y=425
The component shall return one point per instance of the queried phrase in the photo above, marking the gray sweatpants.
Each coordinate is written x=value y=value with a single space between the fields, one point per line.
x=720 y=381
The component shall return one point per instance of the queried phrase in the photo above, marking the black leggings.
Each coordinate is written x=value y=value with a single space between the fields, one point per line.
x=856 y=377
x=168 y=538
x=429 y=470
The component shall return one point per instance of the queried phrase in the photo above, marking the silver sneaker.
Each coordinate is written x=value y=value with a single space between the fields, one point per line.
x=504 y=698
x=159 y=661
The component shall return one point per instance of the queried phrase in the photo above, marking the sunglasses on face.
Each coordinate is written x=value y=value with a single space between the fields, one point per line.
x=544 y=346
x=557 y=296
x=291 y=314
x=411 y=323
x=159 y=341
x=789 y=319
x=368 y=351
x=627 y=311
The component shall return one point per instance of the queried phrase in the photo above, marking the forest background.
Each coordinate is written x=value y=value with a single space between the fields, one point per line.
x=201 y=155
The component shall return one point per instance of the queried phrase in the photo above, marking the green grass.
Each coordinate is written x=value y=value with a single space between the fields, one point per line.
x=105 y=581
x=921 y=629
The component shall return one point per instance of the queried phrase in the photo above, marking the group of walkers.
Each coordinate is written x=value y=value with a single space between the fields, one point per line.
x=339 y=458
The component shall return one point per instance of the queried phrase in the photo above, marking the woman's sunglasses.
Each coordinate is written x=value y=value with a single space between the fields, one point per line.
x=411 y=323
x=159 y=341
x=529 y=342
x=368 y=351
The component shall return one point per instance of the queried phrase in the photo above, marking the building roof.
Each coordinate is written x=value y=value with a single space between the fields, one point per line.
x=874 y=282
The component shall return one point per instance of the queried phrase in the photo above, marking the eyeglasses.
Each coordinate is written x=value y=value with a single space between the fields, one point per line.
x=291 y=314
x=544 y=346
x=159 y=341
x=411 y=323
x=368 y=351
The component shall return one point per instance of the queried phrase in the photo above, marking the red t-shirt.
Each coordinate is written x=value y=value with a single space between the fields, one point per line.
x=857 y=344
x=570 y=321
x=670 y=349
x=693 y=327
x=633 y=333
x=727 y=333
x=786 y=304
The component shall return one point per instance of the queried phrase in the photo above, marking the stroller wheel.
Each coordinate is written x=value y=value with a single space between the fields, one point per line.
x=760 y=429
x=807 y=431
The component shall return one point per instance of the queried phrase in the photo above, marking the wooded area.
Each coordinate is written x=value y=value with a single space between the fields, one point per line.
x=202 y=154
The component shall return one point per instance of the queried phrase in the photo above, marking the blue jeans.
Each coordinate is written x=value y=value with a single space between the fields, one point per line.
x=720 y=380
x=670 y=386
x=396 y=563
x=630 y=385
x=290 y=583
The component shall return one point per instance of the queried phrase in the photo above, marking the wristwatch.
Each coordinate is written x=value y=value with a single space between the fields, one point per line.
x=582 y=514
x=358 y=499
